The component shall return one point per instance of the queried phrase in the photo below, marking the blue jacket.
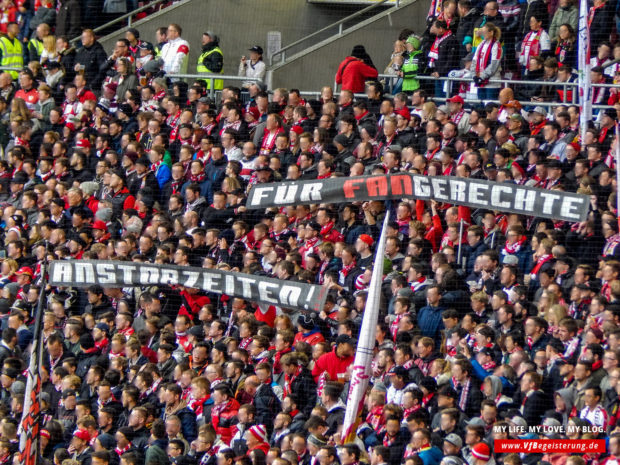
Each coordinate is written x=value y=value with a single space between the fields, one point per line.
x=431 y=456
x=472 y=253
x=188 y=423
x=430 y=322
x=163 y=175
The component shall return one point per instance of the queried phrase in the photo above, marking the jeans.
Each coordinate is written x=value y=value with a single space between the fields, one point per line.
x=439 y=92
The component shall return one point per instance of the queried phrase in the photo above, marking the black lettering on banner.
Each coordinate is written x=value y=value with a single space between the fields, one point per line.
x=475 y=193
x=265 y=290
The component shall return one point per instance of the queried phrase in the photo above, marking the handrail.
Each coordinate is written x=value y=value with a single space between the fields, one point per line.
x=339 y=23
x=212 y=78
x=504 y=81
x=127 y=16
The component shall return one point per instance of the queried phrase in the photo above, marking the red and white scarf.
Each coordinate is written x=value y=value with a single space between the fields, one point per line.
x=511 y=249
x=486 y=52
x=433 y=54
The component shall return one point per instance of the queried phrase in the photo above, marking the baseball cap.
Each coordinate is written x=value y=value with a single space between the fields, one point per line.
x=456 y=99
x=454 y=439
x=344 y=339
x=366 y=239
x=25 y=270
x=539 y=110
x=257 y=48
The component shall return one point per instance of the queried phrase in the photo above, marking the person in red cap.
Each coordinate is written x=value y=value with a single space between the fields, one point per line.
x=256 y=438
x=24 y=275
x=100 y=232
x=363 y=246
x=458 y=115
x=80 y=445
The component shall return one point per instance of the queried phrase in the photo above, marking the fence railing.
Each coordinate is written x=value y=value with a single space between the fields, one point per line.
x=566 y=86
x=211 y=78
x=339 y=24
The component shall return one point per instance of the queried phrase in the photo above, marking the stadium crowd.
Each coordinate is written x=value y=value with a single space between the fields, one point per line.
x=491 y=323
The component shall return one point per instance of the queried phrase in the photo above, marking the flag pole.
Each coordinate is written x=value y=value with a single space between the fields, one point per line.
x=366 y=344
x=617 y=155
x=31 y=418
x=585 y=85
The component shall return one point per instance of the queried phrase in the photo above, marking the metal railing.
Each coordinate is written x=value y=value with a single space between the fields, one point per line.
x=340 y=24
x=211 y=78
x=503 y=83
x=127 y=16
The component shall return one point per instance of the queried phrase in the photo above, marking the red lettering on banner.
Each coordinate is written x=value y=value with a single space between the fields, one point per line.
x=377 y=186
x=350 y=186
x=549 y=446
x=401 y=185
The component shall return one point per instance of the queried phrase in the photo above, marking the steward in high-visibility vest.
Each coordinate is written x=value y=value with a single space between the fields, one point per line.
x=411 y=65
x=211 y=60
x=11 y=49
x=35 y=49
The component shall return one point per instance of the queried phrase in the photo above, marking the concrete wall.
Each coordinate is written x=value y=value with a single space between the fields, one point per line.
x=239 y=23
x=319 y=67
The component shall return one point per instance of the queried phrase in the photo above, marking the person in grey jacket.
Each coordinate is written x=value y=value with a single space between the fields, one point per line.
x=566 y=13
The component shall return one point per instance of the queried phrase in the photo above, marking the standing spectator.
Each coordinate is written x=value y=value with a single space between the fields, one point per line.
x=536 y=43
x=443 y=54
x=69 y=18
x=566 y=13
x=355 y=70
x=255 y=68
x=35 y=45
x=487 y=61
x=175 y=52
x=211 y=60
x=600 y=22
x=89 y=59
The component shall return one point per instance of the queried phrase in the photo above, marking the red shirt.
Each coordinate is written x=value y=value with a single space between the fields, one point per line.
x=332 y=364
x=31 y=97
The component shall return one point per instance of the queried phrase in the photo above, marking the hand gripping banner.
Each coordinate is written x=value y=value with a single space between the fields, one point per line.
x=265 y=290
x=475 y=193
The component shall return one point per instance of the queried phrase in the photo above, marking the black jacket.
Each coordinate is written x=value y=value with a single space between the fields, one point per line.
x=92 y=58
x=538 y=9
x=69 y=19
x=305 y=388
x=267 y=406
x=448 y=57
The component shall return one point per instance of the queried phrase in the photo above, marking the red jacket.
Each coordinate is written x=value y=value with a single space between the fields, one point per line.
x=224 y=420
x=353 y=74
x=332 y=364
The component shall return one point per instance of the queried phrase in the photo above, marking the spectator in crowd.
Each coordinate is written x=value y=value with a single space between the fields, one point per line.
x=355 y=70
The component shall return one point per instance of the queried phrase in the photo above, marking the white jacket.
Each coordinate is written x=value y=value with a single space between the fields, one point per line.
x=175 y=54
x=252 y=71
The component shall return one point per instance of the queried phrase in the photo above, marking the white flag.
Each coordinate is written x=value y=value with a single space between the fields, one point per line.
x=585 y=86
x=364 y=353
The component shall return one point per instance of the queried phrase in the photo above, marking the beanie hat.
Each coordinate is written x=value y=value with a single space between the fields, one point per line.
x=87 y=341
x=415 y=41
x=481 y=451
x=259 y=432
x=306 y=322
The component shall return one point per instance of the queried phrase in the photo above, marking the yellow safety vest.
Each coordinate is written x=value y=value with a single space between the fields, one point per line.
x=38 y=46
x=201 y=68
x=12 y=54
